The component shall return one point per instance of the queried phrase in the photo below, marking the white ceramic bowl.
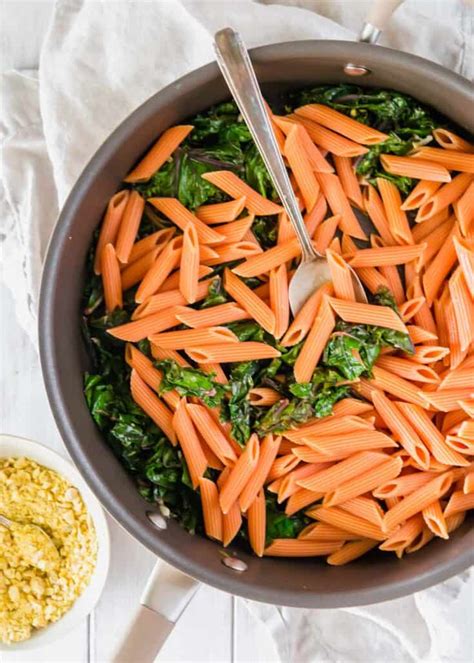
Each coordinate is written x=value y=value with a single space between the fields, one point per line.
x=11 y=446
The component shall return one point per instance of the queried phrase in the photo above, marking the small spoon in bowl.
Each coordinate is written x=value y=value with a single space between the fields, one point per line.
x=34 y=544
x=239 y=74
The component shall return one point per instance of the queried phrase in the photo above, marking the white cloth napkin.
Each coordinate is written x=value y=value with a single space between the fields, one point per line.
x=100 y=60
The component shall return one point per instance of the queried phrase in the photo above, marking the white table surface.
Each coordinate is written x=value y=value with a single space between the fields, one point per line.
x=235 y=635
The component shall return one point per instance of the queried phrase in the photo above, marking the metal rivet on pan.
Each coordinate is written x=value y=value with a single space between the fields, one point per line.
x=157 y=519
x=235 y=564
x=356 y=69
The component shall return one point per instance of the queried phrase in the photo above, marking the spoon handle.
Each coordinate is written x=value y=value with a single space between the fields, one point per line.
x=236 y=67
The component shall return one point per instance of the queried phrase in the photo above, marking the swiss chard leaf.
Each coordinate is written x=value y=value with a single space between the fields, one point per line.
x=215 y=294
x=278 y=524
x=190 y=382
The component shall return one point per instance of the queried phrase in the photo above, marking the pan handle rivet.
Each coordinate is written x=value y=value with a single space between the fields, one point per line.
x=235 y=564
x=156 y=519
x=355 y=69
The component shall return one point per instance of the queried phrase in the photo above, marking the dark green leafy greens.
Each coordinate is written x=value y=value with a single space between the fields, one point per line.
x=279 y=525
x=405 y=120
x=190 y=382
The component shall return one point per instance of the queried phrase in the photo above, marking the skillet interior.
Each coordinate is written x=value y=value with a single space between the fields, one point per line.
x=303 y=583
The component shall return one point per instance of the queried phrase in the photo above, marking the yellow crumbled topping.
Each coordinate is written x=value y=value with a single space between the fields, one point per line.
x=39 y=581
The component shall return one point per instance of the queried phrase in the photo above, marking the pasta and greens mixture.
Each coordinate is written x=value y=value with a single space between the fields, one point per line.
x=345 y=428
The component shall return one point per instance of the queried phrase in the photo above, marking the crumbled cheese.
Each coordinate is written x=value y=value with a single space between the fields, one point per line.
x=35 y=589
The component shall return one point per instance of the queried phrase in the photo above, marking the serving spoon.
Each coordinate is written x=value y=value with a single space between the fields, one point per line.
x=35 y=545
x=234 y=62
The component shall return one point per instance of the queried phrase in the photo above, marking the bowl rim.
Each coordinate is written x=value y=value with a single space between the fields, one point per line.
x=86 y=602
x=177 y=557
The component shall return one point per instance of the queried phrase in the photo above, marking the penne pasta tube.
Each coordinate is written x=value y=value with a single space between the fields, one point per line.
x=268 y=451
x=129 y=225
x=189 y=442
x=183 y=339
x=221 y=212
x=159 y=153
x=110 y=225
x=405 y=535
x=300 y=499
x=296 y=154
x=409 y=370
x=342 y=124
x=228 y=181
x=339 y=204
x=420 y=194
x=435 y=520
x=402 y=485
x=453 y=160
x=327 y=139
x=180 y=216
x=364 y=507
x=451 y=141
x=458 y=502
x=347 y=521
x=160 y=270
x=170 y=299
x=139 y=329
x=347 y=444
x=227 y=352
x=381 y=316
x=211 y=433
x=279 y=301
x=417 y=500
x=443 y=197
x=152 y=406
x=329 y=478
x=239 y=474
x=270 y=259
x=256 y=522
x=419 y=169
x=111 y=281
x=263 y=396
x=300 y=548
x=249 y=301
x=149 y=374
x=210 y=317
x=364 y=483
x=189 y=265
x=387 y=255
x=315 y=342
x=351 y=551
x=396 y=217
x=157 y=240
x=210 y=509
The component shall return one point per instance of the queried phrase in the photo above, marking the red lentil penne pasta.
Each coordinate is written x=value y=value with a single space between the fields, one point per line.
x=398 y=424
x=364 y=483
x=329 y=478
x=325 y=232
x=348 y=127
x=350 y=551
x=160 y=270
x=264 y=262
x=161 y=353
x=139 y=329
x=451 y=141
x=346 y=444
x=410 y=308
x=316 y=159
x=180 y=216
x=429 y=434
x=435 y=241
x=420 y=194
x=409 y=370
x=463 y=309
x=129 y=225
x=110 y=225
x=231 y=521
x=450 y=325
x=216 y=370
x=465 y=253
x=301 y=167
x=288 y=483
x=460 y=378
x=375 y=209
x=453 y=160
x=159 y=153
x=134 y=272
x=418 y=500
x=300 y=548
x=300 y=499
x=350 y=183
x=189 y=265
x=443 y=197
x=256 y=522
x=461 y=444
x=419 y=169
x=279 y=302
x=405 y=535
x=249 y=301
x=396 y=217
x=304 y=320
x=381 y=316
x=402 y=486
x=221 y=212
x=172 y=281
x=240 y=474
x=387 y=255
x=315 y=342
x=152 y=406
x=448 y=399
x=365 y=507
x=327 y=139
x=339 y=204
x=341 y=276
x=236 y=188
x=231 y=352
x=325 y=532
x=156 y=240
x=169 y=299
x=211 y=433
x=189 y=442
x=263 y=396
x=420 y=335
x=347 y=521
x=210 y=509
x=468 y=485
x=458 y=502
x=281 y=466
x=464 y=210
x=236 y=230
x=397 y=386
x=111 y=281
x=210 y=317
x=183 y=339
x=349 y=406
x=236 y=251
x=329 y=425
x=435 y=520
x=149 y=374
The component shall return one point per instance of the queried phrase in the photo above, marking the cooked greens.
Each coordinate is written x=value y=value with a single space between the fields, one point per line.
x=221 y=141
